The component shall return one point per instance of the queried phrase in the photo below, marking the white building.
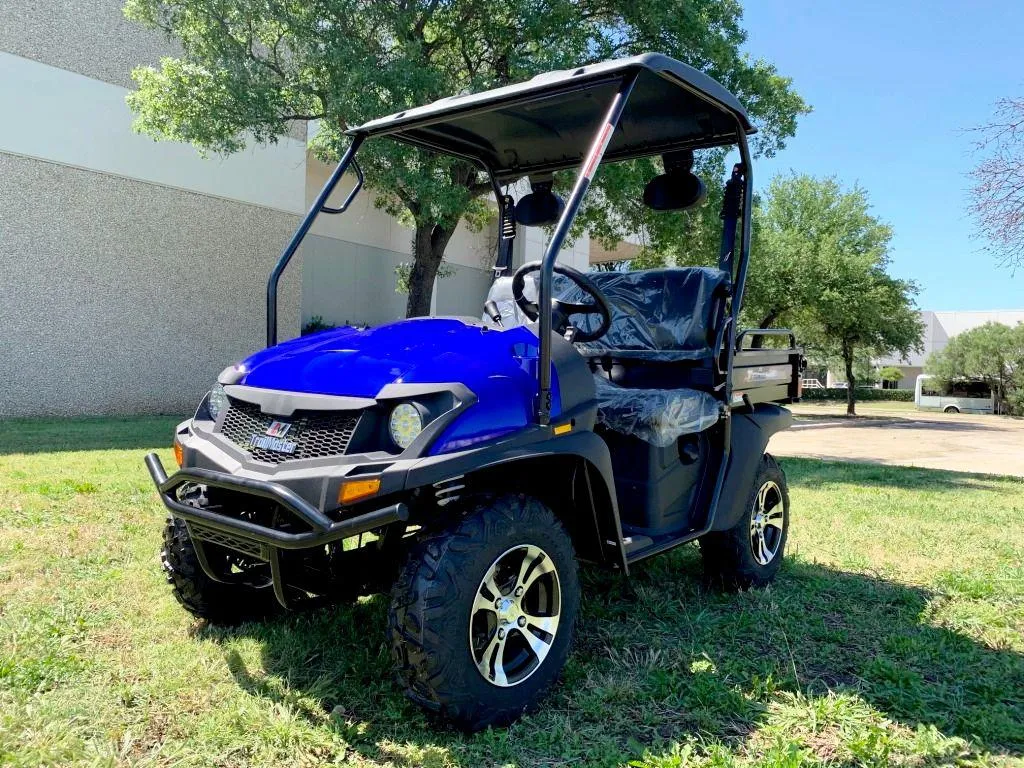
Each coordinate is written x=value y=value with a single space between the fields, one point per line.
x=133 y=271
x=940 y=327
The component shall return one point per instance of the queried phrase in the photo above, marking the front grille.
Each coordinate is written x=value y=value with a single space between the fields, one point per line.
x=315 y=433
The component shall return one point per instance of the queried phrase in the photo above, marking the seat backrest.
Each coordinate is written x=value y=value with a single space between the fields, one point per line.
x=657 y=314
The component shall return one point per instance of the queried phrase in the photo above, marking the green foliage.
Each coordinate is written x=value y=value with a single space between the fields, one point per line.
x=403 y=274
x=248 y=69
x=865 y=373
x=315 y=324
x=863 y=393
x=818 y=264
x=890 y=373
x=993 y=353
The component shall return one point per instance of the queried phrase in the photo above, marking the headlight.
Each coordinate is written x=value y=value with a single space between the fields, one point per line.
x=218 y=401
x=405 y=424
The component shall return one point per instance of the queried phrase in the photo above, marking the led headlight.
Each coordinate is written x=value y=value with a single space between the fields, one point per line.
x=405 y=424
x=217 y=402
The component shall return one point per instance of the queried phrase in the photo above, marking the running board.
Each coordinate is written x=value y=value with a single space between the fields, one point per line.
x=641 y=547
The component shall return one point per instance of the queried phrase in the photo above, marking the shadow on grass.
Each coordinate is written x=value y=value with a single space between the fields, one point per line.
x=94 y=434
x=833 y=470
x=870 y=421
x=660 y=658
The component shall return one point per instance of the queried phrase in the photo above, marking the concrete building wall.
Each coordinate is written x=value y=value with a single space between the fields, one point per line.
x=939 y=329
x=131 y=271
x=350 y=261
x=118 y=296
x=90 y=37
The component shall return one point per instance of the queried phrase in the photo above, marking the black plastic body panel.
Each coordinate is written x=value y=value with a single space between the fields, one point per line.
x=575 y=381
x=658 y=488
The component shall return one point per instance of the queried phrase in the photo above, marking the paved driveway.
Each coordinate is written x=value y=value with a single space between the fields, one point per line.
x=989 y=444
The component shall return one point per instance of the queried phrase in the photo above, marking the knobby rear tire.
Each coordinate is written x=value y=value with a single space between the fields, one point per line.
x=728 y=556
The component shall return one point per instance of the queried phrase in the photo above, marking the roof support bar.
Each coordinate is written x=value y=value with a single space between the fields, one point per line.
x=319 y=205
x=739 y=259
x=572 y=207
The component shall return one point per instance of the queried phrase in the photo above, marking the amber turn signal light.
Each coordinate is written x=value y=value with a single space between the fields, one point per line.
x=179 y=453
x=354 y=490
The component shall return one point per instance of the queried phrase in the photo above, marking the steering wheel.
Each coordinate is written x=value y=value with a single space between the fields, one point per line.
x=561 y=311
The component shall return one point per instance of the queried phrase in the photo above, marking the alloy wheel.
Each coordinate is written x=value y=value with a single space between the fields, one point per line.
x=515 y=614
x=767 y=517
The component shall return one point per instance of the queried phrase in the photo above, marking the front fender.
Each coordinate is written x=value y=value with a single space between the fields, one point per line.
x=539 y=443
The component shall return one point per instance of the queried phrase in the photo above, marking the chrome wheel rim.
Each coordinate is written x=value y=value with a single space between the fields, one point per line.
x=767 y=517
x=514 y=619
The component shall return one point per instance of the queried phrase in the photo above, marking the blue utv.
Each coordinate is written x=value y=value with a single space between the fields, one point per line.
x=469 y=465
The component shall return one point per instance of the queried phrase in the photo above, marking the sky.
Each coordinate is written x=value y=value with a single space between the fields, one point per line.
x=895 y=86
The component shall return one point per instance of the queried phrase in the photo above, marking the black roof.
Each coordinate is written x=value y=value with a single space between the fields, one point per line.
x=547 y=123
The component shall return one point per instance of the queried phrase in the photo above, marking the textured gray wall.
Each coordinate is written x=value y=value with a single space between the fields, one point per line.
x=464 y=292
x=118 y=296
x=91 y=37
x=347 y=282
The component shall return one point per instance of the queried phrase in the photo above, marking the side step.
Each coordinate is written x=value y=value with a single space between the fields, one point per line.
x=640 y=547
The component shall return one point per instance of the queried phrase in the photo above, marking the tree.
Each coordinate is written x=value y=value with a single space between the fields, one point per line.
x=248 y=69
x=860 y=309
x=818 y=264
x=998 y=190
x=797 y=220
x=993 y=353
x=890 y=374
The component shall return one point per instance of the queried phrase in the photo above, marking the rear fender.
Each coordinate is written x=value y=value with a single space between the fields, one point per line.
x=749 y=439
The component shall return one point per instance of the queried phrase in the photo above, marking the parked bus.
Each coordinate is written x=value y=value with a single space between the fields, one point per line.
x=963 y=396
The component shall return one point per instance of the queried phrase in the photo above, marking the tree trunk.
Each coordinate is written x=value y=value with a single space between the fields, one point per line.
x=766 y=322
x=428 y=244
x=851 y=383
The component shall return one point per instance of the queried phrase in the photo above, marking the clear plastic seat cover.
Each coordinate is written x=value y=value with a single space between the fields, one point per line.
x=661 y=315
x=658 y=416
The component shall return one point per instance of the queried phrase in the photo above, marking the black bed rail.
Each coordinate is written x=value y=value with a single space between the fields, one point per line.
x=756 y=332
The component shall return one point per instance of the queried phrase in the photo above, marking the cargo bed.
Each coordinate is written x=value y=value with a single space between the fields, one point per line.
x=766 y=374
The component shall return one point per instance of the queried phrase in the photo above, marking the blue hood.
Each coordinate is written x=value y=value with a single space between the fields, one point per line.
x=498 y=366
x=347 y=361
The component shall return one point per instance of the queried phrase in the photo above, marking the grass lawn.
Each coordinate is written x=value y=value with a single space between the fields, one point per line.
x=893 y=636
x=863 y=408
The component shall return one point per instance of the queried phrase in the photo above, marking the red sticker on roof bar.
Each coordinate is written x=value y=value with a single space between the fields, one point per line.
x=606 y=135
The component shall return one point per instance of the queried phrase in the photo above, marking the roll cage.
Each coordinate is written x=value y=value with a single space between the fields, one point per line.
x=619 y=110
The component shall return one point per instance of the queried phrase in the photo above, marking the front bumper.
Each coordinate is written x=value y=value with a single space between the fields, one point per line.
x=323 y=530
x=252 y=539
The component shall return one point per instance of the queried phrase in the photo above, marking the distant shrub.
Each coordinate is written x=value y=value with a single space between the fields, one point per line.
x=835 y=393
x=314 y=324
x=890 y=373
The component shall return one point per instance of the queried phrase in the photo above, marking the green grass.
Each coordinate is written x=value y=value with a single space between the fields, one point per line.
x=863 y=408
x=893 y=636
